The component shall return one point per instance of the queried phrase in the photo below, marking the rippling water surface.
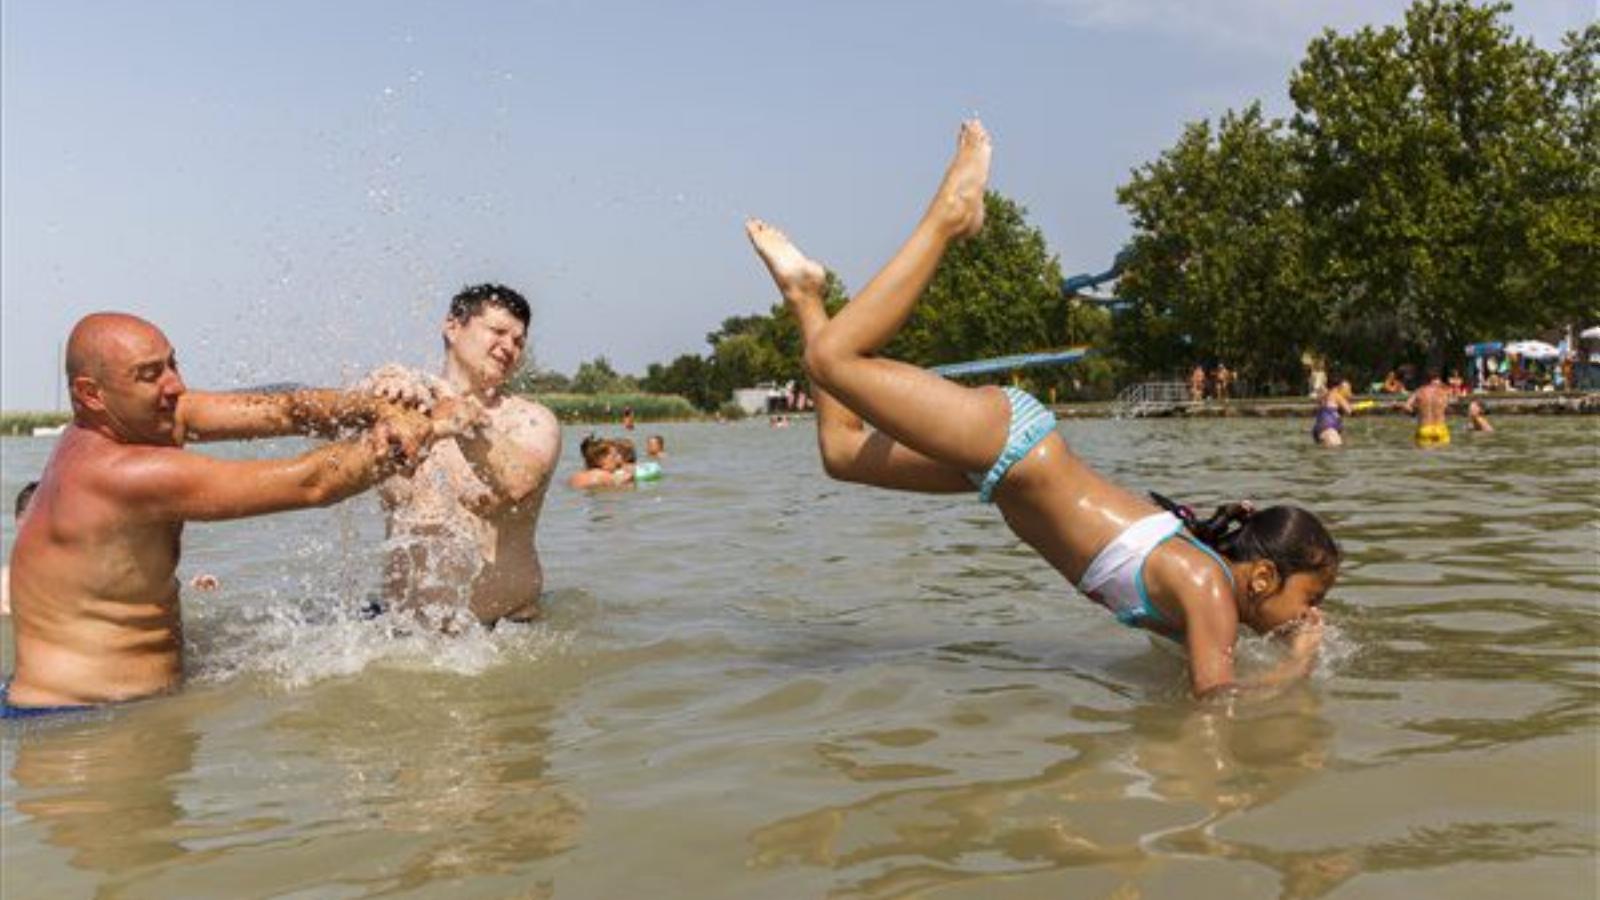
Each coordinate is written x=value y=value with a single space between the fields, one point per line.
x=757 y=682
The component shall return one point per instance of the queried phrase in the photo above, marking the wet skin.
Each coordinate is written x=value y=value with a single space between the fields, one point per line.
x=95 y=597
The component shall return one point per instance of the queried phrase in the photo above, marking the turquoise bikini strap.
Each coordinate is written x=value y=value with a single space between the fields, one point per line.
x=1206 y=548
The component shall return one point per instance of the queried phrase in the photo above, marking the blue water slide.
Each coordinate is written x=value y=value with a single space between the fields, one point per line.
x=1075 y=284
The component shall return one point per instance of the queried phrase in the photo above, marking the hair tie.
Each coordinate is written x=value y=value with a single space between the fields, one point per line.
x=1182 y=510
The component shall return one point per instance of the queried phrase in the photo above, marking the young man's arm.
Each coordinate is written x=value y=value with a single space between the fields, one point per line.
x=171 y=484
x=515 y=457
x=206 y=416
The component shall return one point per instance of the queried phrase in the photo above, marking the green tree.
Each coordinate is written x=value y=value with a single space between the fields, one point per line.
x=688 y=376
x=534 y=380
x=995 y=294
x=1215 y=268
x=598 y=377
x=1450 y=178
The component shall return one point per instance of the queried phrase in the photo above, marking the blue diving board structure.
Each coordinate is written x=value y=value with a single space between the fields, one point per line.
x=1012 y=363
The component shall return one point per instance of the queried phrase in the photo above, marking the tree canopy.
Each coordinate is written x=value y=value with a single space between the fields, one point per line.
x=1437 y=183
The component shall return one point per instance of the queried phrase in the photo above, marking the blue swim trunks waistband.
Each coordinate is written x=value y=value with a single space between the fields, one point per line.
x=7 y=711
x=1030 y=424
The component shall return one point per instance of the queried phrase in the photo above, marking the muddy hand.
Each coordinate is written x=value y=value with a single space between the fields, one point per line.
x=398 y=384
x=452 y=416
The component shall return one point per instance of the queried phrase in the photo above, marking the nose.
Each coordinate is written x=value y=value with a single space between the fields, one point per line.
x=173 y=385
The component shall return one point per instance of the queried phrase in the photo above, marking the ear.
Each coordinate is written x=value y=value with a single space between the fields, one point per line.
x=86 y=392
x=1264 y=579
x=450 y=330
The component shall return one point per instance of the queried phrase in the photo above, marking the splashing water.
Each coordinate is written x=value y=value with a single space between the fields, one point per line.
x=324 y=620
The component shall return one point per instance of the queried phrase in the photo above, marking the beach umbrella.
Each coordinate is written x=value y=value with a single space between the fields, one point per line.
x=1484 y=348
x=1533 y=350
x=1591 y=333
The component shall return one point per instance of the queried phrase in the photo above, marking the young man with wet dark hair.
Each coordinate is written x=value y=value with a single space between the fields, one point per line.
x=462 y=527
x=472 y=299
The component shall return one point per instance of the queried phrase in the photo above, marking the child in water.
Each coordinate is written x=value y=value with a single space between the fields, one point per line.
x=1268 y=569
x=605 y=464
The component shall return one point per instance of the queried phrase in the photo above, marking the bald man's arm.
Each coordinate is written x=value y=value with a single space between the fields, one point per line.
x=174 y=485
x=204 y=416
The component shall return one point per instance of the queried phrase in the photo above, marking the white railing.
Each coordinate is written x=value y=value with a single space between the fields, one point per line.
x=1151 y=398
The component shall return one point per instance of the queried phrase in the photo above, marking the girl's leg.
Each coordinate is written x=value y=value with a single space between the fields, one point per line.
x=849 y=451
x=961 y=427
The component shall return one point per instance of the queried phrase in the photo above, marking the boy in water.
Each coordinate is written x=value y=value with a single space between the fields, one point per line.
x=21 y=506
x=1478 y=418
x=605 y=465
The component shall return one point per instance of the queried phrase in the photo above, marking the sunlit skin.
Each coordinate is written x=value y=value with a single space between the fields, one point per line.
x=95 y=597
x=928 y=433
x=1429 y=403
x=485 y=489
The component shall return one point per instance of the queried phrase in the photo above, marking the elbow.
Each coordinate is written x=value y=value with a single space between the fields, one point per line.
x=320 y=492
x=839 y=463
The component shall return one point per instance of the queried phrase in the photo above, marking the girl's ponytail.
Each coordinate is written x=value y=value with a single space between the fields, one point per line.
x=1294 y=539
x=1215 y=531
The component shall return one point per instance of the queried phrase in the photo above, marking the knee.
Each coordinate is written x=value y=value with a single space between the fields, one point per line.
x=821 y=359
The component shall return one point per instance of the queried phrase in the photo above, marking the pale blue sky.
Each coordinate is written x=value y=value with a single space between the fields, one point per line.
x=293 y=190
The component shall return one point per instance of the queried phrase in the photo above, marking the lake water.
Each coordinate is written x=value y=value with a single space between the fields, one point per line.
x=755 y=682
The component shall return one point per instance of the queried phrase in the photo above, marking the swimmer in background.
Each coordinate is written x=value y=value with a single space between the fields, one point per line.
x=603 y=465
x=1478 y=418
x=17 y=511
x=627 y=418
x=1267 y=570
x=1429 y=404
x=655 y=447
x=95 y=603
x=1327 y=429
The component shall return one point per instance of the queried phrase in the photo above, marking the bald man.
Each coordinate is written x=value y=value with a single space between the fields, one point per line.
x=94 y=597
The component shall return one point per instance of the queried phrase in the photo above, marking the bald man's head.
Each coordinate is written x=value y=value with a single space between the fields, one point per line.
x=101 y=341
x=123 y=377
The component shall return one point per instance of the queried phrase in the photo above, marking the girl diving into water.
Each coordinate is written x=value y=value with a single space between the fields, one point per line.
x=1266 y=569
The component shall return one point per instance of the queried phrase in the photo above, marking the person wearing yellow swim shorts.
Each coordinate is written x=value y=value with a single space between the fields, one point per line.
x=1429 y=404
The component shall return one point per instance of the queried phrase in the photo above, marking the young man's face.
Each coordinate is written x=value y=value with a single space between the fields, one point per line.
x=487 y=346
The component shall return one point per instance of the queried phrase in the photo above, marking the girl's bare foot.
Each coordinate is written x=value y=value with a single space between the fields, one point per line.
x=801 y=280
x=959 y=203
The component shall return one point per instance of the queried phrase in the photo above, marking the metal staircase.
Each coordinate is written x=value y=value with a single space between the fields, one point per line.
x=1151 y=398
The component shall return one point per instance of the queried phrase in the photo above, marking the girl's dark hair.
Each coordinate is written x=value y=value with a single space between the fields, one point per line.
x=593 y=448
x=1292 y=538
